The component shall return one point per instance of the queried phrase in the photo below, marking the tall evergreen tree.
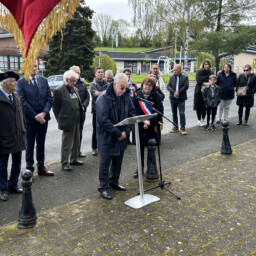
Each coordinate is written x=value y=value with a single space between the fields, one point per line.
x=73 y=45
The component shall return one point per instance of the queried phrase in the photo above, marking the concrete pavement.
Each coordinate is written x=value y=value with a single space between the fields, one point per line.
x=216 y=215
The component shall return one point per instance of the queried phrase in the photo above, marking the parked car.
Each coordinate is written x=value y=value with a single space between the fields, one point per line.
x=55 y=81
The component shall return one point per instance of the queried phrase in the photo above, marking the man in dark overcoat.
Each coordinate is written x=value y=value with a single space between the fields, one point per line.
x=37 y=101
x=68 y=111
x=112 y=106
x=85 y=99
x=12 y=133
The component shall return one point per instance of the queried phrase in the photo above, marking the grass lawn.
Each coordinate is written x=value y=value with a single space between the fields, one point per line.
x=139 y=78
x=109 y=49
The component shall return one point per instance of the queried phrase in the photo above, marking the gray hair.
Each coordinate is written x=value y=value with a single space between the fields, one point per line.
x=74 y=66
x=108 y=72
x=5 y=81
x=69 y=74
x=119 y=77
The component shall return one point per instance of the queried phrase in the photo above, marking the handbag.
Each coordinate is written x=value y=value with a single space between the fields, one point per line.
x=242 y=91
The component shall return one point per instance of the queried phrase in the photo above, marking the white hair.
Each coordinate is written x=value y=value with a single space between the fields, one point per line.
x=69 y=74
x=108 y=72
x=5 y=81
x=119 y=77
x=74 y=66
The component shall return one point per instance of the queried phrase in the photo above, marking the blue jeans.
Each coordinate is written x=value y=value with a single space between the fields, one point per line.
x=105 y=177
x=15 y=170
x=178 y=104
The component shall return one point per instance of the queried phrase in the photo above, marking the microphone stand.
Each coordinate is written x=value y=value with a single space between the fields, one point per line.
x=162 y=183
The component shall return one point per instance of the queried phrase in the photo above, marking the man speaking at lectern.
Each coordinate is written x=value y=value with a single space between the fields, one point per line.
x=112 y=106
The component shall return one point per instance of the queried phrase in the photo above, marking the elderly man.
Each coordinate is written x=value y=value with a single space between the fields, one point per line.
x=109 y=76
x=160 y=84
x=37 y=101
x=12 y=133
x=68 y=111
x=112 y=106
x=178 y=86
x=85 y=99
x=97 y=86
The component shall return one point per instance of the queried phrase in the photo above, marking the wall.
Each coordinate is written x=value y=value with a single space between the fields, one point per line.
x=241 y=60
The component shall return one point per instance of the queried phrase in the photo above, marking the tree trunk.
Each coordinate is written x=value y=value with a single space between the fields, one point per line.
x=217 y=63
x=186 y=50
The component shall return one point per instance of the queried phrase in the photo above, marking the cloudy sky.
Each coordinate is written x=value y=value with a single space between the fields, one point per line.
x=116 y=8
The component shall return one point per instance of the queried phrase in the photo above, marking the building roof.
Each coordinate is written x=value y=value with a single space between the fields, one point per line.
x=156 y=50
x=139 y=56
x=5 y=35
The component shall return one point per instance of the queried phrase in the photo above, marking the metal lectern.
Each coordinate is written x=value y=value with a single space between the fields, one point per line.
x=143 y=199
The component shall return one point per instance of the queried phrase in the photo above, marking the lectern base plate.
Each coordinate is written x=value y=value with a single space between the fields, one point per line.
x=138 y=202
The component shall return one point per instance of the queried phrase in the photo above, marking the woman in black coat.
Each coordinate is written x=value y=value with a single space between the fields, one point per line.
x=202 y=79
x=246 y=79
x=150 y=129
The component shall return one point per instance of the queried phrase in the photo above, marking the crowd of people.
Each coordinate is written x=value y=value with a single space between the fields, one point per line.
x=26 y=113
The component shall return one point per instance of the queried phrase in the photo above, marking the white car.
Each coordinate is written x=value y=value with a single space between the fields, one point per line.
x=55 y=81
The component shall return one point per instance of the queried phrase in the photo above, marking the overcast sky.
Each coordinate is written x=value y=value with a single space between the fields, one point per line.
x=116 y=8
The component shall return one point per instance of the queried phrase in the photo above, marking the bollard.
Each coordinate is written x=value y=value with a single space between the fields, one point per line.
x=27 y=213
x=225 y=147
x=151 y=174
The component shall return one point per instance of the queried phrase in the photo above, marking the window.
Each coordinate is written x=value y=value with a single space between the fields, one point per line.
x=132 y=65
x=14 y=62
x=4 y=62
x=145 y=67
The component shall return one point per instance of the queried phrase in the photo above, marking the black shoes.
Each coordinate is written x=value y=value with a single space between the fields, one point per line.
x=82 y=155
x=106 y=195
x=4 y=195
x=77 y=162
x=117 y=187
x=136 y=174
x=15 y=190
x=66 y=168
x=207 y=128
x=94 y=152
x=239 y=122
x=213 y=128
x=245 y=123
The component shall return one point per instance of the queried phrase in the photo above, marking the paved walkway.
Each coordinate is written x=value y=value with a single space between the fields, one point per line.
x=216 y=216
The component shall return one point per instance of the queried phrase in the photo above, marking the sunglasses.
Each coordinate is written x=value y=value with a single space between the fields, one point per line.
x=246 y=70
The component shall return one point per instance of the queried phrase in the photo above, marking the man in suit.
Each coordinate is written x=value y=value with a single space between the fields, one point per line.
x=37 y=101
x=68 y=111
x=12 y=134
x=85 y=99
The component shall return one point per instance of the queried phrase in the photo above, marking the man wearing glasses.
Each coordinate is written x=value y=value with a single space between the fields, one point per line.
x=68 y=111
x=112 y=106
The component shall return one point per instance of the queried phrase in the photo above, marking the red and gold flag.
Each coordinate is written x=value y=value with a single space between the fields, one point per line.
x=33 y=23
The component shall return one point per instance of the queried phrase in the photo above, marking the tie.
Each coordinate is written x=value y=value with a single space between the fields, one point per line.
x=35 y=85
x=11 y=99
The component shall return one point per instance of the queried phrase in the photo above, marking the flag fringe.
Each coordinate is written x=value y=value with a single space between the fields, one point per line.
x=54 y=21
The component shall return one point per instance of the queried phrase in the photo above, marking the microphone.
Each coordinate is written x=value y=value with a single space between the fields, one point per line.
x=146 y=101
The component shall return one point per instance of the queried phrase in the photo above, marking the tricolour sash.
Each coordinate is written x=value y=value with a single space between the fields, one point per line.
x=145 y=108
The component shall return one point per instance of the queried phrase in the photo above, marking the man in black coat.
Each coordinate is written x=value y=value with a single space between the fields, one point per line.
x=68 y=112
x=85 y=99
x=112 y=106
x=178 y=86
x=12 y=133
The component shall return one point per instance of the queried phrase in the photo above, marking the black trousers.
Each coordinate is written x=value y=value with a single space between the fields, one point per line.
x=105 y=177
x=247 y=112
x=211 y=112
x=36 y=132
x=94 y=132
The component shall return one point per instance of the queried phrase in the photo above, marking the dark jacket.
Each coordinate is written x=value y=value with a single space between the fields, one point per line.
x=183 y=86
x=107 y=115
x=63 y=108
x=83 y=93
x=33 y=103
x=13 y=127
x=242 y=81
x=227 y=85
x=211 y=100
x=151 y=132
x=96 y=86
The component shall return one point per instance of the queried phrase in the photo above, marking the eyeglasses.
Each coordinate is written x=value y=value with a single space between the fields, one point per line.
x=246 y=70
x=72 y=80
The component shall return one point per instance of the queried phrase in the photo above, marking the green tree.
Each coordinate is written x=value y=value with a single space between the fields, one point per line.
x=254 y=65
x=200 y=57
x=106 y=63
x=73 y=45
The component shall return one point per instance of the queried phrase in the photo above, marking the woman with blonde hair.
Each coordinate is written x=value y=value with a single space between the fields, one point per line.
x=202 y=79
